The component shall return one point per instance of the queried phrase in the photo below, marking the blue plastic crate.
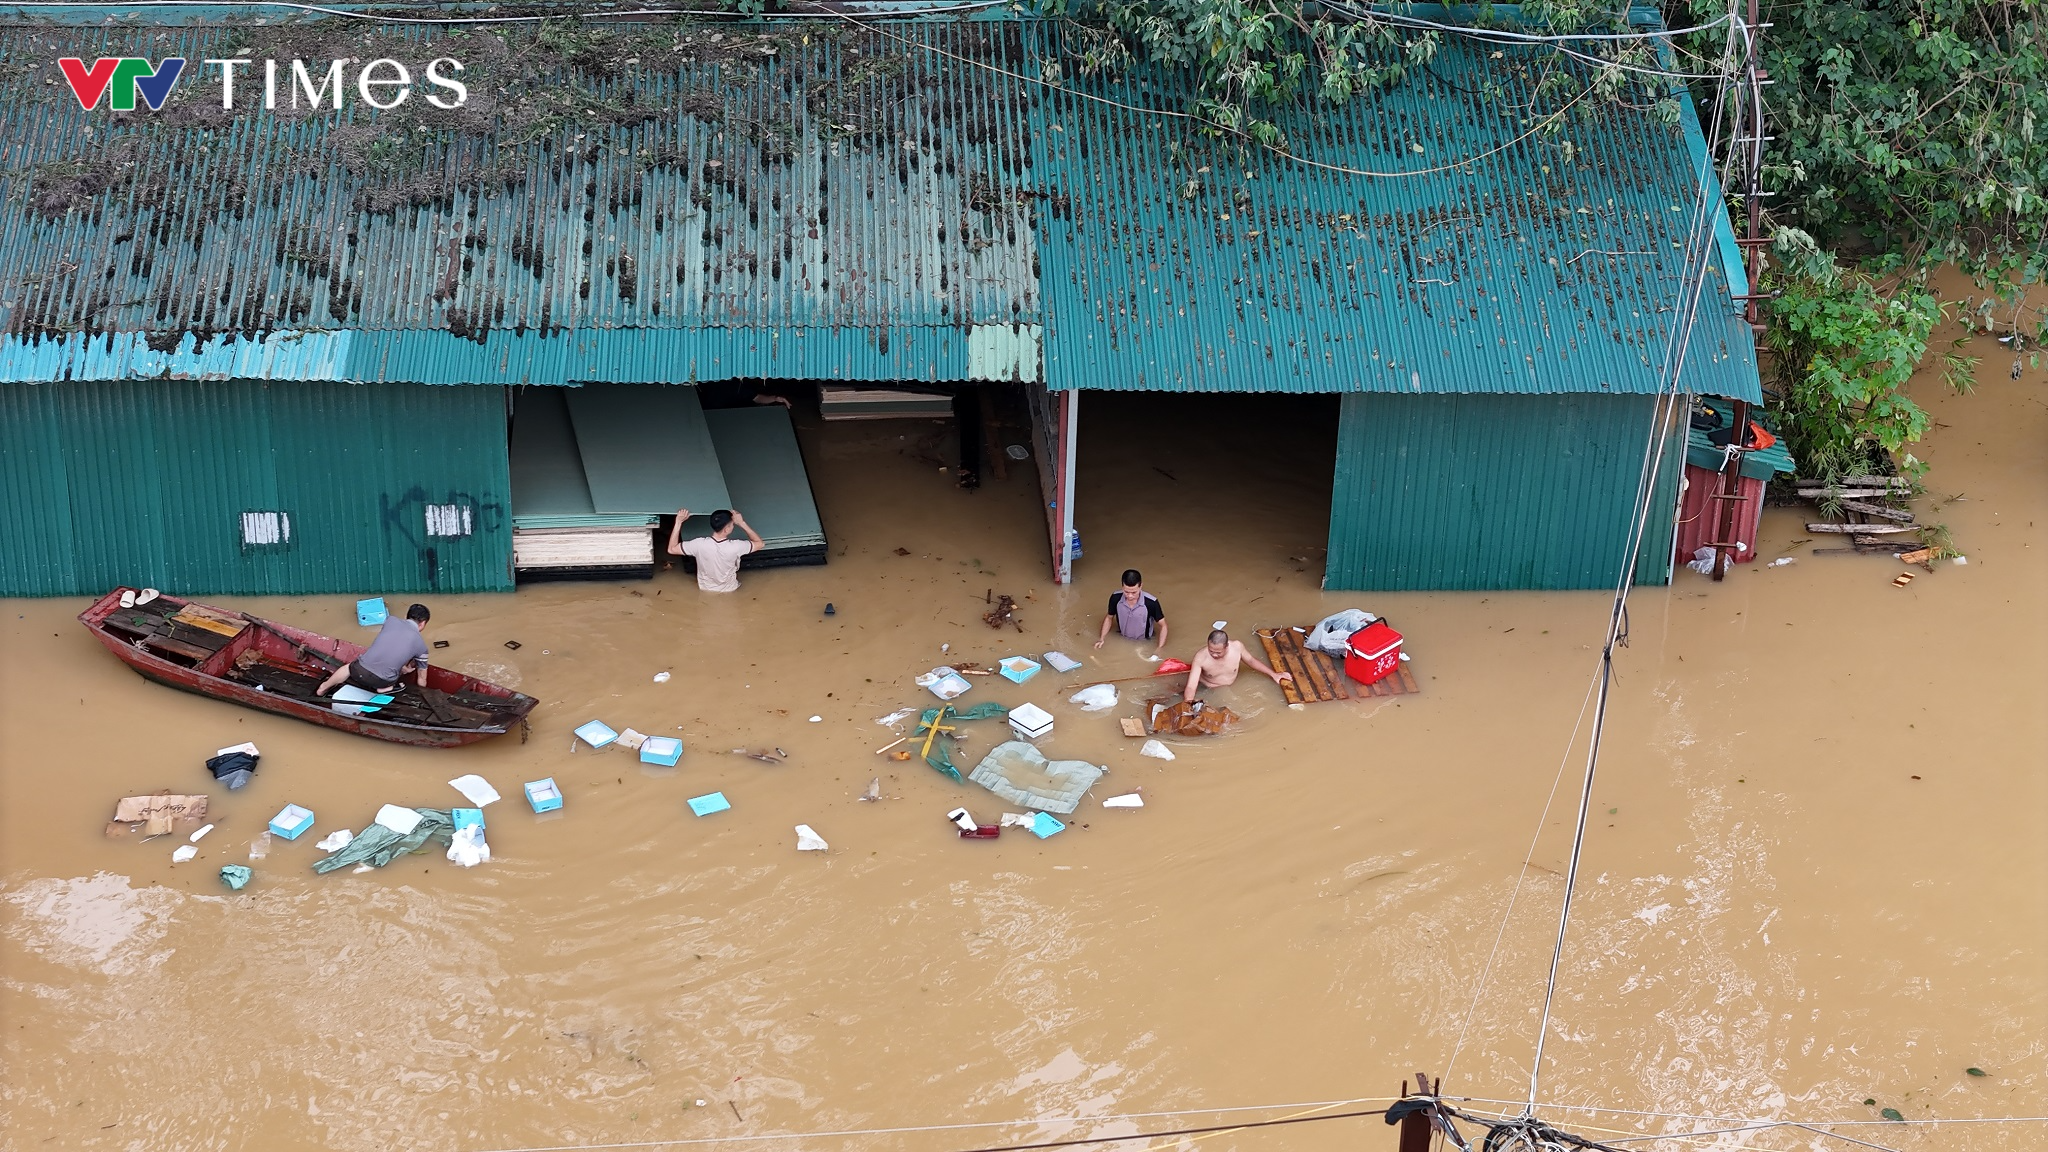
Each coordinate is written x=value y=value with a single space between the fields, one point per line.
x=370 y=613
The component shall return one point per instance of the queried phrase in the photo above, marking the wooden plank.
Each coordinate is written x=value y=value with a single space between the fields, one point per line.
x=1869 y=509
x=1288 y=691
x=165 y=646
x=120 y=627
x=1333 y=671
x=197 y=616
x=1867 y=529
x=197 y=637
x=1290 y=661
x=1307 y=663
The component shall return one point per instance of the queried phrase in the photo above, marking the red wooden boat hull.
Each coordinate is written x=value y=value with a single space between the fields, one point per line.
x=281 y=642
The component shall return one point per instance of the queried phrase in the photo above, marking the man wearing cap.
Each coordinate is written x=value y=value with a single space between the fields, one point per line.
x=1134 y=613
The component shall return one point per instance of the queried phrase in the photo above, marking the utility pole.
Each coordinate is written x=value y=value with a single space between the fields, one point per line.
x=1748 y=108
x=1416 y=1114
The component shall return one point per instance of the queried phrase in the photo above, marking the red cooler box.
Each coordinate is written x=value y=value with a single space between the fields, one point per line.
x=1372 y=653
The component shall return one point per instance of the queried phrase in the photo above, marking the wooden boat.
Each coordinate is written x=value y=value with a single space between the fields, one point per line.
x=275 y=668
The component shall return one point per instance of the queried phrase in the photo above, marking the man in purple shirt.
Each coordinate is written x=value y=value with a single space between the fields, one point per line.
x=1134 y=613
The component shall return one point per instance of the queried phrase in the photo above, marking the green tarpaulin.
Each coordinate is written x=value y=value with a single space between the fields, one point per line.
x=378 y=845
x=942 y=718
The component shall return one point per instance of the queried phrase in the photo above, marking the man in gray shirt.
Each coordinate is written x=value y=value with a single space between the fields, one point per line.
x=398 y=649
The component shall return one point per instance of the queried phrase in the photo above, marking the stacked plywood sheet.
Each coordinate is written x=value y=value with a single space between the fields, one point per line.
x=595 y=468
x=556 y=528
x=843 y=403
x=764 y=471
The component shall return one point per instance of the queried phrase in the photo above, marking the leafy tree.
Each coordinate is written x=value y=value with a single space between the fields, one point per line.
x=1846 y=342
x=1917 y=129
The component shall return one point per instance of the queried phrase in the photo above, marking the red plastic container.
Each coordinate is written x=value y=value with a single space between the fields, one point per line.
x=982 y=832
x=1372 y=653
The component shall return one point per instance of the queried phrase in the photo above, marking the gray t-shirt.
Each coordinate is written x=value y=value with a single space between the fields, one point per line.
x=398 y=643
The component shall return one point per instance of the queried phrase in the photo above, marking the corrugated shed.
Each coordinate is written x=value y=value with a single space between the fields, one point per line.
x=1494 y=492
x=1536 y=263
x=156 y=482
x=756 y=200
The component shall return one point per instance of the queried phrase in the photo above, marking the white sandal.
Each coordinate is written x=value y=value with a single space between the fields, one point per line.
x=127 y=598
x=148 y=594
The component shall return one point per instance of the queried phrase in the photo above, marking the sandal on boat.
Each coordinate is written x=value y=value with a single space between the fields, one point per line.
x=127 y=598
x=148 y=594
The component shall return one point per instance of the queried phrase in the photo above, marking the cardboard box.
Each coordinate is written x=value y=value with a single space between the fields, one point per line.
x=707 y=804
x=597 y=734
x=292 y=822
x=1030 y=721
x=543 y=795
x=662 y=750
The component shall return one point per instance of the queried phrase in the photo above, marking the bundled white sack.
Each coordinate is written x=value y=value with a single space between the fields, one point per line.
x=1334 y=632
x=468 y=848
x=1095 y=697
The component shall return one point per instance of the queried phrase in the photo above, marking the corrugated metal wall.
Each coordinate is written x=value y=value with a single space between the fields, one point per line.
x=1494 y=492
x=147 y=483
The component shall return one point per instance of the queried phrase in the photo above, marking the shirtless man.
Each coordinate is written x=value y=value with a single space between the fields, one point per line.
x=1217 y=664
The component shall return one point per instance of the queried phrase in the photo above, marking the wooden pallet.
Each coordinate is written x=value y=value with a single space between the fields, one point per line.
x=1318 y=677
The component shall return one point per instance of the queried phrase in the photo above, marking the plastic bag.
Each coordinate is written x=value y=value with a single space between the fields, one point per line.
x=468 y=848
x=235 y=876
x=1702 y=562
x=1334 y=632
x=1095 y=698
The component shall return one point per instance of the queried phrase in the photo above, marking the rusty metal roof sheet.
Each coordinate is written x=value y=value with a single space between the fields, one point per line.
x=1534 y=263
x=656 y=201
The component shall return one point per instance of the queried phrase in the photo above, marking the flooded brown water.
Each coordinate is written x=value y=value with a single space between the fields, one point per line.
x=1817 y=876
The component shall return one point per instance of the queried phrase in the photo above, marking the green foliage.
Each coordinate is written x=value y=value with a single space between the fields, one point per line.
x=1846 y=344
x=1917 y=129
x=1249 y=56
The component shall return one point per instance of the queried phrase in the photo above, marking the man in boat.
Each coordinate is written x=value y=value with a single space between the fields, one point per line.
x=717 y=555
x=399 y=648
x=1216 y=665
x=1134 y=613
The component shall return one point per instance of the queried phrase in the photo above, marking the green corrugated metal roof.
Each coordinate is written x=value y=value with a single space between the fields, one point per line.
x=1494 y=492
x=670 y=202
x=1175 y=263
x=745 y=200
x=147 y=483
